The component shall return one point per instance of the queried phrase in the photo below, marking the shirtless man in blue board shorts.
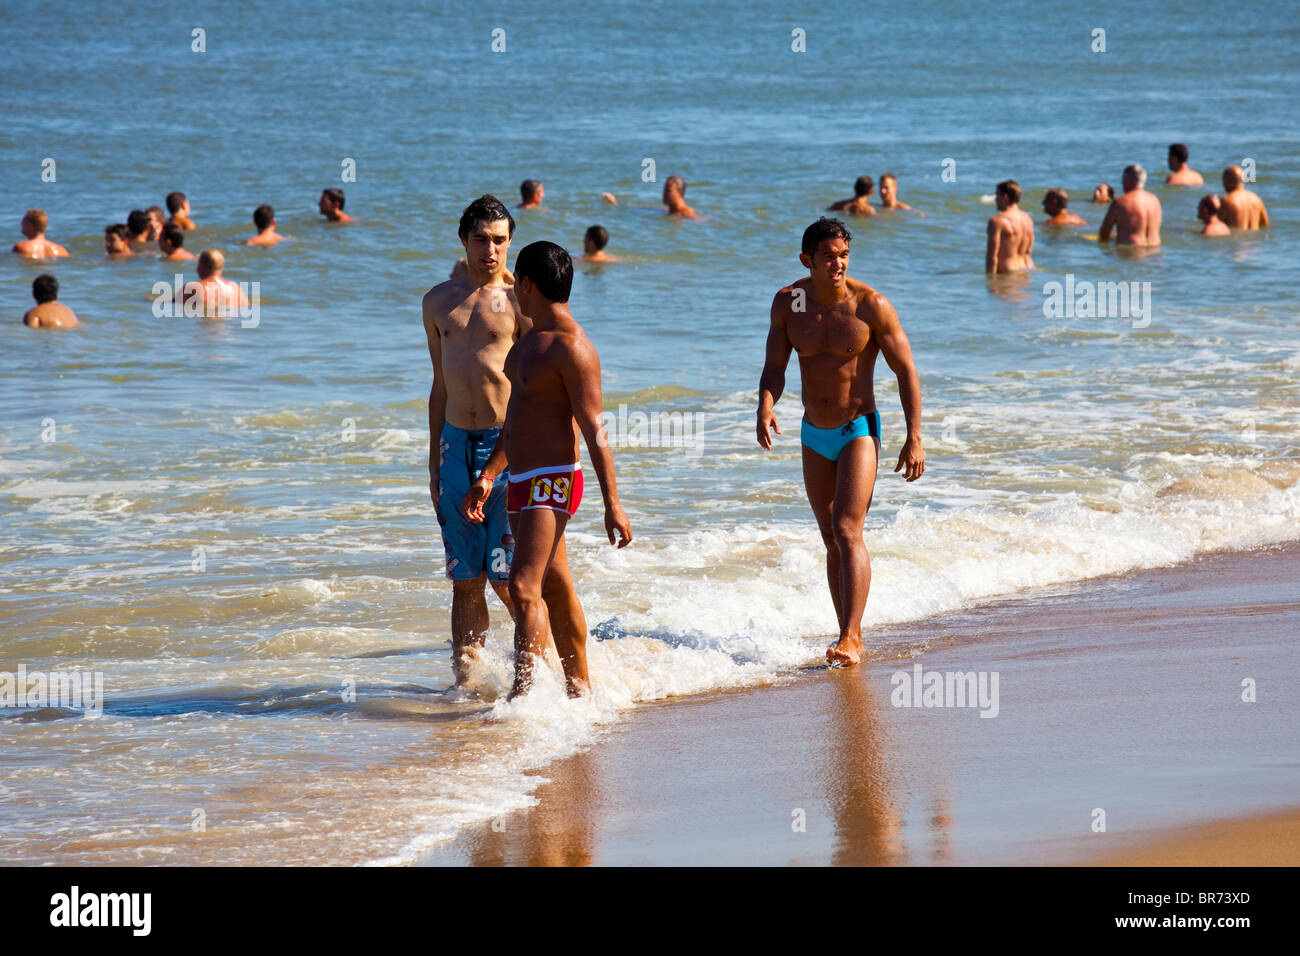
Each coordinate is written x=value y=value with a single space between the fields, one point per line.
x=471 y=321
x=838 y=326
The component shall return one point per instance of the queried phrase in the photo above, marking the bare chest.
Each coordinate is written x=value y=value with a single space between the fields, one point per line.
x=481 y=322
x=833 y=331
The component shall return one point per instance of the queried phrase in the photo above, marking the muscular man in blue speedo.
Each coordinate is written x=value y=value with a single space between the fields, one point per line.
x=838 y=326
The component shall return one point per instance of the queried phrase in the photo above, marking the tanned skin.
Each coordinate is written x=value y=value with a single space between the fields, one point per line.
x=842 y=327
x=555 y=395
x=35 y=245
x=1240 y=208
x=1134 y=216
x=1010 y=238
x=471 y=321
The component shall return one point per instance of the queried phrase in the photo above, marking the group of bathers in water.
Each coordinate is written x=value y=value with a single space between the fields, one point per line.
x=471 y=547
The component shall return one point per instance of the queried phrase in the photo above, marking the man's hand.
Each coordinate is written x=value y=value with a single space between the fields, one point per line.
x=434 y=481
x=912 y=459
x=472 y=504
x=767 y=420
x=615 y=520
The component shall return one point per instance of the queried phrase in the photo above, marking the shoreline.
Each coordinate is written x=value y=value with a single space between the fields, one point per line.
x=1095 y=714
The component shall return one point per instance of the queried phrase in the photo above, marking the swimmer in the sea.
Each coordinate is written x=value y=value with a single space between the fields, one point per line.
x=1135 y=216
x=35 y=245
x=593 y=246
x=170 y=245
x=1054 y=204
x=264 y=220
x=1240 y=208
x=49 y=312
x=860 y=204
x=1207 y=210
x=1010 y=233
x=330 y=205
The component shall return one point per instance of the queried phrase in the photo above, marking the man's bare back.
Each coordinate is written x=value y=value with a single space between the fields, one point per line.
x=1240 y=208
x=1135 y=215
x=1010 y=241
x=536 y=368
x=39 y=248
x=219 y=298
x=51 y=315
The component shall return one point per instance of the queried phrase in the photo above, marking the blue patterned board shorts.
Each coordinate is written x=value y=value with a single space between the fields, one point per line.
x=472 y=548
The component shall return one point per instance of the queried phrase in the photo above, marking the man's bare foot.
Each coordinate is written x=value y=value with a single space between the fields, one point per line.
x=845 y=652
x=462 y=661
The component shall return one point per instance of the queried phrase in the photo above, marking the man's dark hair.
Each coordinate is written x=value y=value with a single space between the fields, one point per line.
x=823 y=229
x=174 y=202
x=528 y=189
x=263 y=216
x=174 y=235
x=335 y=196
x=137 y=222
x=118 y=229
x=1010 y=188
x=486 y=208
x=1060 y=195
x=599 y=237
x=863 y=186
x=45 y=288
x=548 y=267
x=1179 y=151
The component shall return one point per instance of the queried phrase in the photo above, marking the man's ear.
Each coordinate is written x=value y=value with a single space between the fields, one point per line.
x=806 y=260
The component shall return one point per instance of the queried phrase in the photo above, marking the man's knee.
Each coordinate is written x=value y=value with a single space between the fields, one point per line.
x=468 y=589
x=524 y=592
x=846 y=532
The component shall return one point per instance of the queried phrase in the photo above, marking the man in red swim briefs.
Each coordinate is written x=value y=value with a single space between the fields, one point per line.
x=554 y=374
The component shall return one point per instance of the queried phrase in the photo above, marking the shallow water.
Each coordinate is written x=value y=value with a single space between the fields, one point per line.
x=231 y=524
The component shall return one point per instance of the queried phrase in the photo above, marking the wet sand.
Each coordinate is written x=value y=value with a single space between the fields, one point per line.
x=1269 y=840
x=1120 y=701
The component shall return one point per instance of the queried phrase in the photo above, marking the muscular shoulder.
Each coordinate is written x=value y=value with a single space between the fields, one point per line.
x=871 y=304
x=786 y=296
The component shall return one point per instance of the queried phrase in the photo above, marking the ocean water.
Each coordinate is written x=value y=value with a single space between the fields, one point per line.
x=232 y=524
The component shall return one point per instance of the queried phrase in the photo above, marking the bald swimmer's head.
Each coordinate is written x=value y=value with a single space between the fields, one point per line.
x=210 y=263
x=1135 y=177
x=1232 y=178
